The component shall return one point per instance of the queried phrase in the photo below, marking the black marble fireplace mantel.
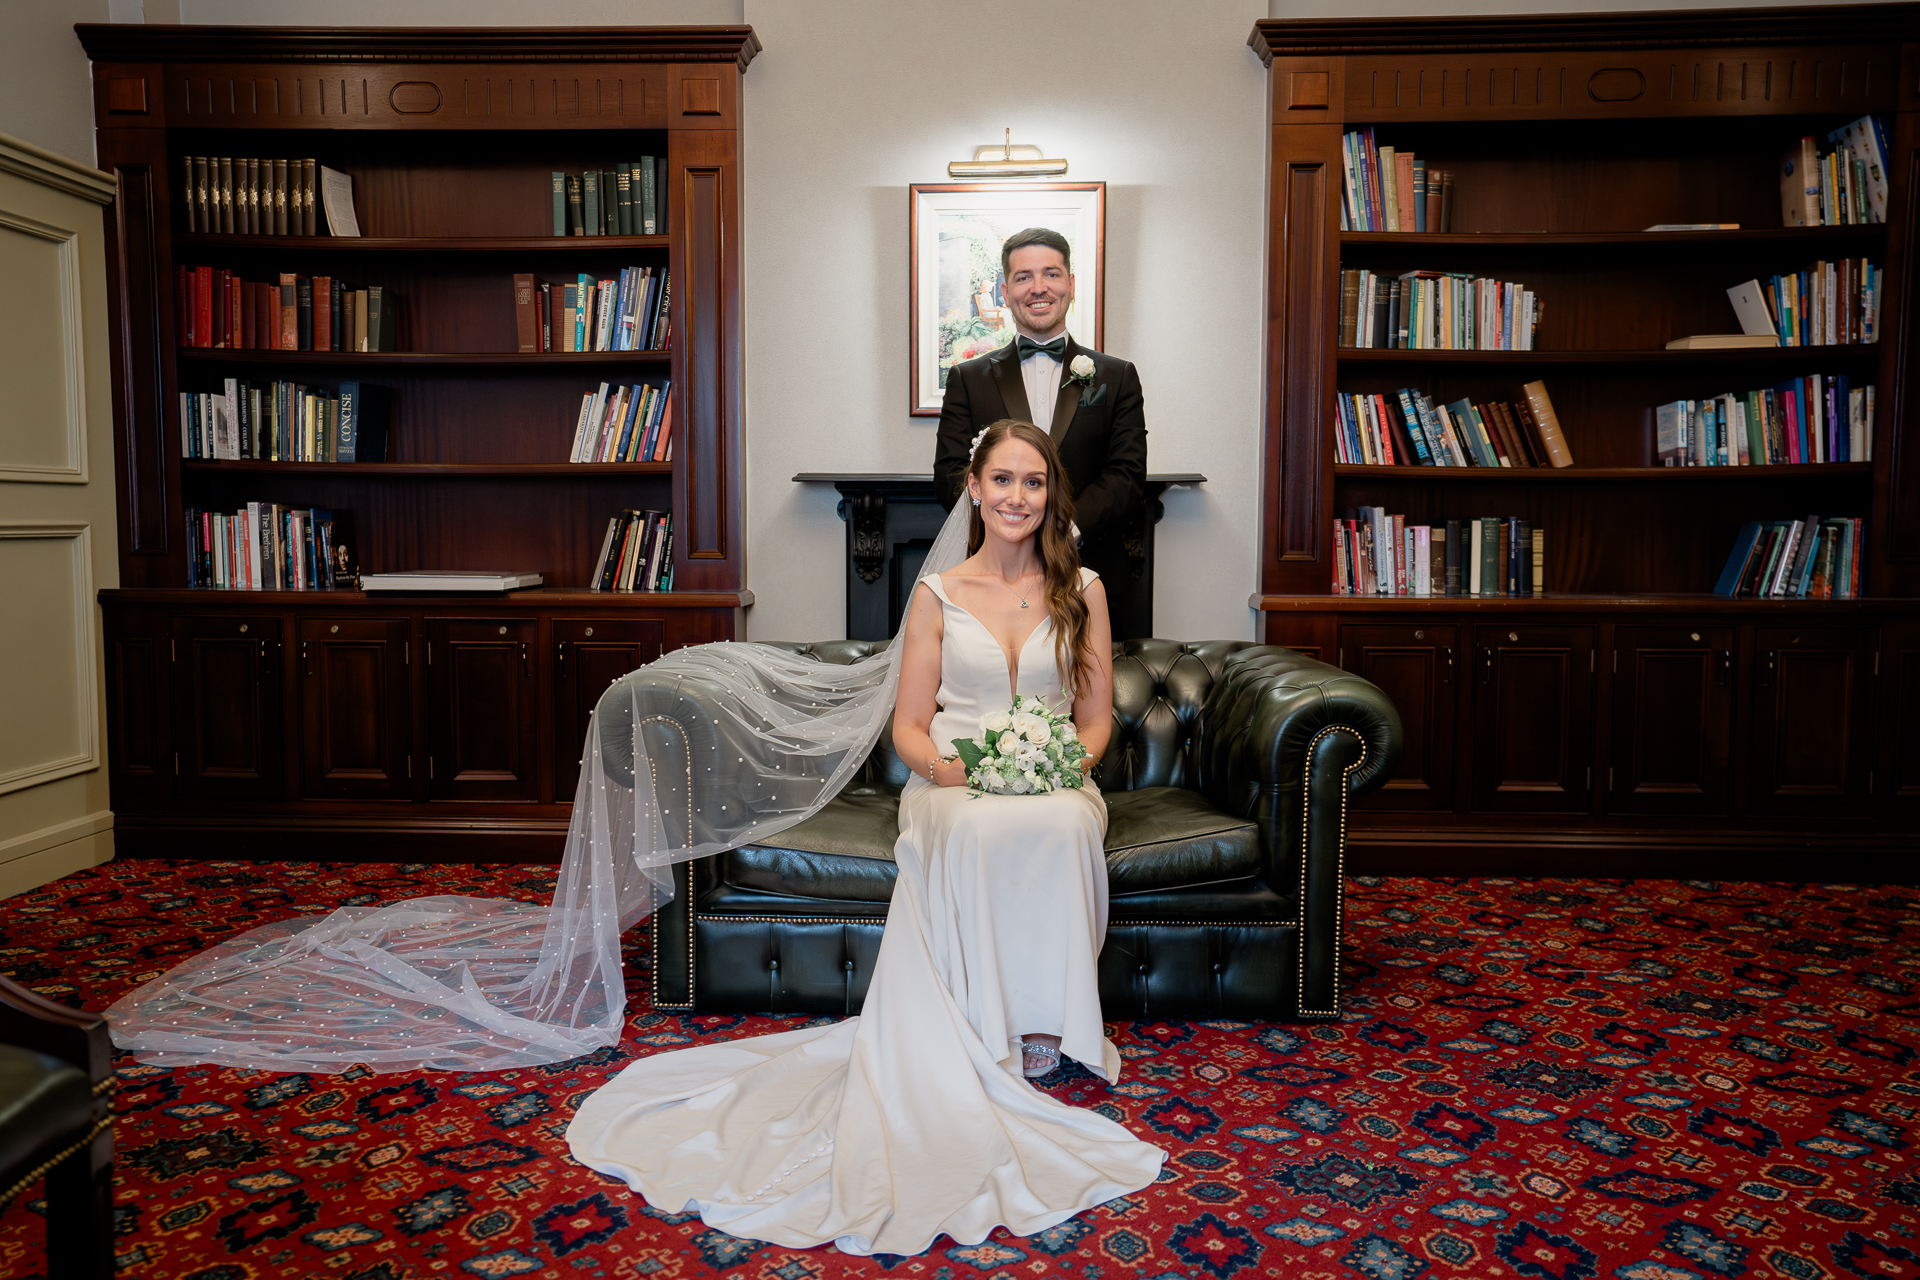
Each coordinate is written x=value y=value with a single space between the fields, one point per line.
x=892 y=518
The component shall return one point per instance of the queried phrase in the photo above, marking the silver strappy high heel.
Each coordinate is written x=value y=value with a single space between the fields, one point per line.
x=1032 y=1049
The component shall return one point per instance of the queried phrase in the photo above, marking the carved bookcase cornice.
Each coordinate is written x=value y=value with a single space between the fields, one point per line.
x=127 y=42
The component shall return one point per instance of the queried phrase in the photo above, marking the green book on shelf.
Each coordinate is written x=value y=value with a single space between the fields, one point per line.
x=649 y=201
x=590 y=201
x=559 y=203
x=623 y=178
x=1490 y=566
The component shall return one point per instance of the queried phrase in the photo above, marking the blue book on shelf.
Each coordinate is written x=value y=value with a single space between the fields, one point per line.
x=1743 y=545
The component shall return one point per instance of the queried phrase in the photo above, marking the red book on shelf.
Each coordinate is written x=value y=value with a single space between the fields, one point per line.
x=203 y=306
x=323 y=313
x=222 y=306
x=289 y=313
x=526 y=315
x=236 y=314
x=249 y=315
x=183 y=305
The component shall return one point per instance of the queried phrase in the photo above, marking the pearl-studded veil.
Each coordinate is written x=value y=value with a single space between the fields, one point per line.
x=729 y=744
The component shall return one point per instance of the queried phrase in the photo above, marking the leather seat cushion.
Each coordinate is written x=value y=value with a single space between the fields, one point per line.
x=1158 y=839
x=44 y=1105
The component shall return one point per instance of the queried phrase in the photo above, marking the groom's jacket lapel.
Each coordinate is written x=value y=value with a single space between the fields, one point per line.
x=1069 y=398
x=1005 y=364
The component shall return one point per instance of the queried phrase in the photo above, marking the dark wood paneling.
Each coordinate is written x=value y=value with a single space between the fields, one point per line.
x=1417 y=667
x=227 y=706
x=704 y=177
x=482 y=710
x=1812 y=719
x=1533 y=719
x=1672 y=722
x=1898 y=493
x=588 y=655
x=226 y=46
x=365 y=96
x=1900 y=706
x=356 y=708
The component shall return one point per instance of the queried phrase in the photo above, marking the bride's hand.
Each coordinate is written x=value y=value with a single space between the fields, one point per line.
x=949 y=772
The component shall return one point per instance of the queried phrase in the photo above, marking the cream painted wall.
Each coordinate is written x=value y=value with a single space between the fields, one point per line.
x=1162 y=102
x=46 y=95
x=58 y=543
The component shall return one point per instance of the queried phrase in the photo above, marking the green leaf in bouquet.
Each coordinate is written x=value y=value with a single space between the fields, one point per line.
x=970 y=753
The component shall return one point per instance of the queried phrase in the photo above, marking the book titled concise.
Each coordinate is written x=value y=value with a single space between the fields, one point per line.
x=447 y=580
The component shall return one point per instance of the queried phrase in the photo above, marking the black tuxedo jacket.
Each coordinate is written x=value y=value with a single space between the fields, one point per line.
x=1100 y=430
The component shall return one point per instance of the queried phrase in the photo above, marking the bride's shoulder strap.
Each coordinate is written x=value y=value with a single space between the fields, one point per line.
x=933 y=583
x=1086 y=577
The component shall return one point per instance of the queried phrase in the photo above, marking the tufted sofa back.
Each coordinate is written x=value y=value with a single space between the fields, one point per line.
x=1159 y=689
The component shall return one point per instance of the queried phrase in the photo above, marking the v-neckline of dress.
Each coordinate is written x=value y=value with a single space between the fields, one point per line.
x=1020 y=655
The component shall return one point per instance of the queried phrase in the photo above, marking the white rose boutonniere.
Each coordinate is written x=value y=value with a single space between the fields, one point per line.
x=1081 y=370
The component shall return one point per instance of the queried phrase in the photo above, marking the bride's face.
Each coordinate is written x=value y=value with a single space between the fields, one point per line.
x=1012 y=489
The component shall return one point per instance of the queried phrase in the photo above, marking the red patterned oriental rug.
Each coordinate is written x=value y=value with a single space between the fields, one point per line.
x=1555 y=1080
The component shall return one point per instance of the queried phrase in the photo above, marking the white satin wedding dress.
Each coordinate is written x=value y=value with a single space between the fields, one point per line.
x=883 y=1131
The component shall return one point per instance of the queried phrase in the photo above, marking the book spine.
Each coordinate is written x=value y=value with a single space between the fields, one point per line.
x=651 y=221
x=559 y=203
x=623 y=182
x=1548 y=421
x=526 y=319
x=576 y=207
x=203 y=306
x=590 y=201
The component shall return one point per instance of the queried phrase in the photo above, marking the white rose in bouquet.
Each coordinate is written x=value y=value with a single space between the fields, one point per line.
x=1066 y=732
x=1034 y=729
x=996 y=724
x=1009 y=743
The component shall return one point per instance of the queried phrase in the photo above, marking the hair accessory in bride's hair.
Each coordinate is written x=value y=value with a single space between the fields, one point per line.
x=975 y=446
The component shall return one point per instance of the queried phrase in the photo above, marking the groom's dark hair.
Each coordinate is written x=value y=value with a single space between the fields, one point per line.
x=1027 y=239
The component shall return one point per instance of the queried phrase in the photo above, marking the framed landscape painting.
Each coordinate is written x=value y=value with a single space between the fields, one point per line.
x=955 y=303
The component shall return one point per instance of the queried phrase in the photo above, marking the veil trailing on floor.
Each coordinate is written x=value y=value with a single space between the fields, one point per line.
x=476 y=984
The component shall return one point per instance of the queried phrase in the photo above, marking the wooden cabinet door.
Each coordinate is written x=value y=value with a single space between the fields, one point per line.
x=1812 y=720
x=356 y=709
x=1898 y=774
x=227 y=707
x=1672 y=720
x=481 y=709
x=588 y=655
x=1533 y=719
x=1415 y=666
x=140 y=752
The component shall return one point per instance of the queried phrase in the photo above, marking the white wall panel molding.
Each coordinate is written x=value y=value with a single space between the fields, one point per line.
x=49 y=722
x=64 y=374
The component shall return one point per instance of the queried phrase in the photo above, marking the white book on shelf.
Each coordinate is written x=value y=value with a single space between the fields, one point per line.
x=448 y=580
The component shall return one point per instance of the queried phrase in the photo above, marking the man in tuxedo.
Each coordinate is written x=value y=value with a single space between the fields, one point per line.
x=1096 y=419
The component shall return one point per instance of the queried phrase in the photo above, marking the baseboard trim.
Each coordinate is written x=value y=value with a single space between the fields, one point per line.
x=359 y=839
x=1871 y=857
x=41 y=857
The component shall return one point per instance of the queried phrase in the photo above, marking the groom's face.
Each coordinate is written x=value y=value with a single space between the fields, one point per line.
x=1039 y=289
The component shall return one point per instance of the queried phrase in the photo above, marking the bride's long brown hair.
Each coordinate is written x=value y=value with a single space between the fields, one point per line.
x=1058 y=556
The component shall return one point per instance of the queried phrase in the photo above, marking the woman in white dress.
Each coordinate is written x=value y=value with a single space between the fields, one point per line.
x=881 y=1132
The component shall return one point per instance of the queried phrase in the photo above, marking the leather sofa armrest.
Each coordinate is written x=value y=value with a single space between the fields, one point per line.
x=1285 y=741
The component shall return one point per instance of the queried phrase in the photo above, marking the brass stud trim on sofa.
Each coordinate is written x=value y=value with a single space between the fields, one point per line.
x=1339 y=870
x=653 y=781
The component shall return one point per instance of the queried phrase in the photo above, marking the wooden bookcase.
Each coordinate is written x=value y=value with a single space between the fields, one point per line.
x=1630 y=722
x=298 y=724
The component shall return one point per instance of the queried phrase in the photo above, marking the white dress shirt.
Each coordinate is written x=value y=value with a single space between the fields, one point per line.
x=1041 y=374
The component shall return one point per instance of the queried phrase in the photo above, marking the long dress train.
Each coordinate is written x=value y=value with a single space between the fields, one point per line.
x=881 y=1132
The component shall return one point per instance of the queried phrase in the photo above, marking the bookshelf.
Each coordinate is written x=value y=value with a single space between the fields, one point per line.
x=269 y=724
x=1628 y=721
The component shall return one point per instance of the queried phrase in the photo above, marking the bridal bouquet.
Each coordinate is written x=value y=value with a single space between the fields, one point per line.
x=1026 y=750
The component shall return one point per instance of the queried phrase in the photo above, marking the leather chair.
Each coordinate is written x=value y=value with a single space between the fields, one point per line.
x=56 y=1123
x=1226 y=782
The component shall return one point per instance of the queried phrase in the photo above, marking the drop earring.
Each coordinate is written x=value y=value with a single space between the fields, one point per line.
x=976 y=502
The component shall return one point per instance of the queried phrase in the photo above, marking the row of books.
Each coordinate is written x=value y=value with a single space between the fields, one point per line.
x=267 y=547
x=1388 y=190
x=1436 y=310
x=1818 y=418
x=1407 y=428
x=252 y=197
x=625 y=424
x=637 y=553
x=1828 y=304
x=1811 y=559
x=1380 y=554
x=286 y=422
x=629 y=199
x=1845 y=185
x=630 y=312
x=216 y=308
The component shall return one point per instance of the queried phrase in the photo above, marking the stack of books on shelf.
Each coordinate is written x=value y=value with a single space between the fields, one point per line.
x=1818 y=418
x=286 y=422
x=1389 y=190
x=251 y=197
x=637 y=553
x=625 y=424
x=1845 y=186
x=1407 y=428
x=629 y=312
x=1829 y=304
x=218 y=309
x=1436 y=311
x=1810 y=559
x=268 y=547
x=1380 y=554
x=629 y=199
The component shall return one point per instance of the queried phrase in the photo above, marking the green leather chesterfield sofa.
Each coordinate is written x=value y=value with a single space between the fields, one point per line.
x=1227 y=783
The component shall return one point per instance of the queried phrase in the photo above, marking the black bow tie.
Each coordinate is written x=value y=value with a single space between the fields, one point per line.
x=1055 y=350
